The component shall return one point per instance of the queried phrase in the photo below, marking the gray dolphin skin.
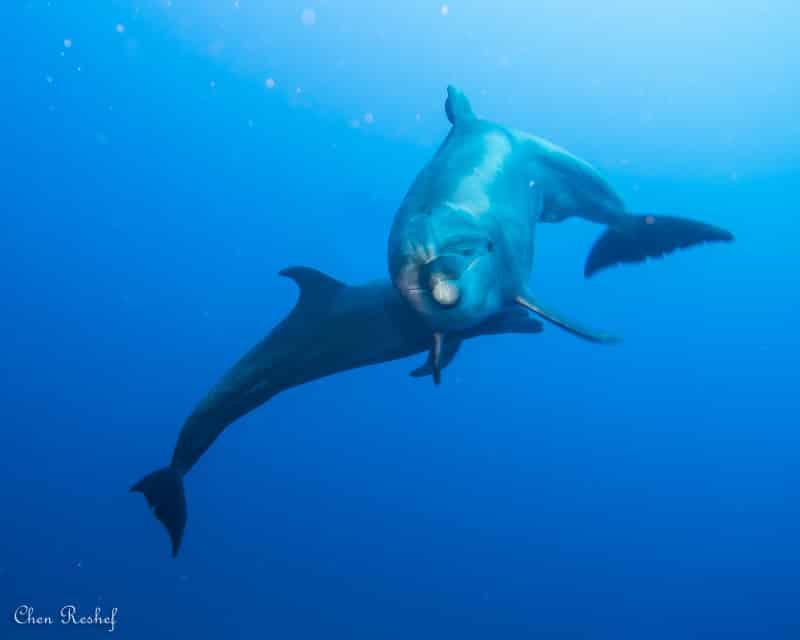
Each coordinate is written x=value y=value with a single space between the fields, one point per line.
x=461 y=244
x=332 y=328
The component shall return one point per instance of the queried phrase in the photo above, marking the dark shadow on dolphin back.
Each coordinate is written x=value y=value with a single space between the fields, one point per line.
x=333 y=327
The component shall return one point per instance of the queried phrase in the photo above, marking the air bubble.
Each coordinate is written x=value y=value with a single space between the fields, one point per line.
x=308 y=17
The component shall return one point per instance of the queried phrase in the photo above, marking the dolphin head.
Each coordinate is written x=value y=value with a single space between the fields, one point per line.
x=445 y=264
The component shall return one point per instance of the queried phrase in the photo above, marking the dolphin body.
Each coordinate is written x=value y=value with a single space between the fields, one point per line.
x=332 y=328
x=461 y=244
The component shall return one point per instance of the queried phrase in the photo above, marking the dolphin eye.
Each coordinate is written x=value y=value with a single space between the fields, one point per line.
x=466 y=246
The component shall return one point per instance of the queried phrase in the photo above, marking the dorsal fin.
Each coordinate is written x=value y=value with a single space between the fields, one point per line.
x=317 y=290
x=457 y=106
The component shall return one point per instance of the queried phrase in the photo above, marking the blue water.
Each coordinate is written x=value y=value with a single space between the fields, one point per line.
x=153 y=184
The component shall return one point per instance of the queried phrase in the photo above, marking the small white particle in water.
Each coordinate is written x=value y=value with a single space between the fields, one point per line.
x=308 y=17
x=77 y=68
x=120 y=28
x=61 y=53
x=418 y=117
x=531 y=184
x=270 y=83
x=444 y=10
x=298 y=91
x=369 y=118
x=250 y=123
x=212 y=84
x=49 y=79
x=235 y=4
x=67 y=43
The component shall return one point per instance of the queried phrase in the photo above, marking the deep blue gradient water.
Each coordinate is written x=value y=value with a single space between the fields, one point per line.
x=152 y=186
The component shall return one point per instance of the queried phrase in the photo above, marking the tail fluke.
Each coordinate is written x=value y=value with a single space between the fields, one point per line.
x=164 y=492
x=637 y=238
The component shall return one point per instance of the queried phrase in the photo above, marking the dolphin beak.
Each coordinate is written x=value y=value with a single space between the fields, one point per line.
x=446 y=292
x=441 y=276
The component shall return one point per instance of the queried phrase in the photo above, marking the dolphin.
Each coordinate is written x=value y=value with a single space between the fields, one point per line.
x=461 y=244
x=333 y=327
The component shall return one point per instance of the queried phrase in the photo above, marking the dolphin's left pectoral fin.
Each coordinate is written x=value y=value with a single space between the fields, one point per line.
x=435 y=356
x=592 y=335
x=513 y=320
x=449 y=350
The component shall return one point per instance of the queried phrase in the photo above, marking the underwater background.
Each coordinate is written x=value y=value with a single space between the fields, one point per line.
x=163 y=159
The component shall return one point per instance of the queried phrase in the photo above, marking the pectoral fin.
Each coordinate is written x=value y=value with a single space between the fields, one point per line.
x=513 y=320
x=436 y=356
x=449 y=351
x=591 y=335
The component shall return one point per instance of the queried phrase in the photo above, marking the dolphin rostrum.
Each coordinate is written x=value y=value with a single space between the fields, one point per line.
x=332 y=328
x=461 y=245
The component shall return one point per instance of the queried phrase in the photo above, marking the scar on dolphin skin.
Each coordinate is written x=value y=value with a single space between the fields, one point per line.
x=461 y=243
x=333 y=327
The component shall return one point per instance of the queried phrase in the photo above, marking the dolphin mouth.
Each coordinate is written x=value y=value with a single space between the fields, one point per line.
x=445 y=292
